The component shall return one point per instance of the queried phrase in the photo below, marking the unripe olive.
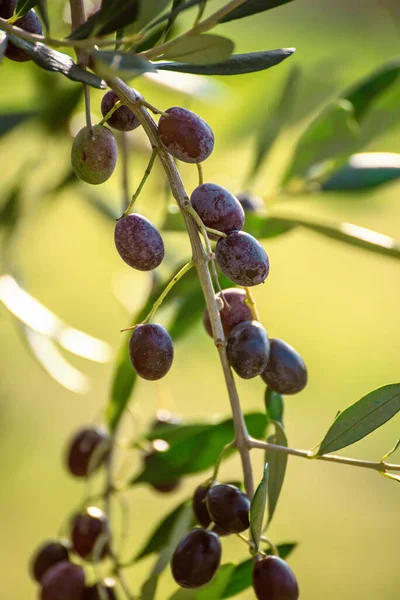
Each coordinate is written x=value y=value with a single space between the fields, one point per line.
x=94 y=154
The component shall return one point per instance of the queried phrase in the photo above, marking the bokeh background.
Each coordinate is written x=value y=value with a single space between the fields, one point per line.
x=337 y=305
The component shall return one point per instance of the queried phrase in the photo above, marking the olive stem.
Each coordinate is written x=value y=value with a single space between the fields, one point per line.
x=153 y=108
x=201 y=260
x=225 y=449
x=249 y=543
x=110 y=113
x=196 y=217
x=380 y=466
x=200 y=171
x=274 y=549
x=252 y=304
x=125 y=170
x=141 y=184
x=166 y=291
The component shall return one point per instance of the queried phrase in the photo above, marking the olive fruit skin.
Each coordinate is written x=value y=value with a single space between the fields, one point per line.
x=28 y=22
x=237 y=312
x=107 y=586
x=64 y=581
x=123 y=118
x=217 y=208
x=242 y=258
x=185 y=135
x=199 y=504
x=248 y=349
x=196 y=558
x=286 y=372
x=46 y=556
x=87 y=451
x=151 y=351
x=158 y=446
x=138 y=242
x=94 y=154
x=250 y=203
x=273 y=579
x=7 y=8
x=86 y=529
x=229 y=508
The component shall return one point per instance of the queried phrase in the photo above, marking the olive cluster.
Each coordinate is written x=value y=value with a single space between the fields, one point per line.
x=28 y=22
x=57 y=564
x=251 y=352
x=223 y=509
x=54 y=565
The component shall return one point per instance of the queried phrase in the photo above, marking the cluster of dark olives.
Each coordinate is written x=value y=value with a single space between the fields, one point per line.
x=54 y=564
x=223 y=509
x=251 y=352
x=28 y=22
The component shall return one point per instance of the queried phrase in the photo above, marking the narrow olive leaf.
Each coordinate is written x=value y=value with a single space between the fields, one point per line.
x=109 y=18
x=124 y=65
x=159 y=537
x=237 y=64
x=37 y=317
x=3 y=44
x=360 y=237
x=257 y=509
x=334 y=133
x=177 y=7
x=10 y=120
x=252 y=7
x=363 y=94
x=195 y=451
x=272 y=123
x=277 y=462
x=48 y=355
x=274 y=405
x=241 y=578
x=188 y=314
x=179 y=529
x=200 y=49
x=363 y=417
x=148 y=11
x=51 y=60
x=366 y=170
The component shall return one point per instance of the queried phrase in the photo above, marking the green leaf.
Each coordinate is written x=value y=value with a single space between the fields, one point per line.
x=363 y=417
x=10 y=120
x=272 y=123
x=196 y=450
x=241 y=578
x=364 y=93
x=177 y=8
x=332 y=134
x=274 y=405
x=277 y=462
x=237 y=64
x=188 y=314
x=200 y=49
x=149 y=11
x=159 y=537
x=353 y=235
x=252 y=7
x=51 y=60
x=109 y=18
x=257 y=509
x=124 y=65
x=364 y=171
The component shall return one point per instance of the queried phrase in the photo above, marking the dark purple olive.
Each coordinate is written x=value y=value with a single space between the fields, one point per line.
x=273 y=579
x=151 y=351
x=46 y=556
x=64 y=581
x=86 y=530
x=229 y=508
x=241 y=258
x=217 y=208
x=87 y=451
x=248 y=349
x=286 y=372
x=196 y=558
x=236 y=312
x=123 y=118
x=185 y=135
x=138 y=242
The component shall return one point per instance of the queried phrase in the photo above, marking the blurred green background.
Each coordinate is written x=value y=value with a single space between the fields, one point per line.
x=336 y=305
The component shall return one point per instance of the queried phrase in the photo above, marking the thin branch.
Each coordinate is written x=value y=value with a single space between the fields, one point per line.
x=141 y=184
x=355 y=462
x=125 y=171
x=201 y=260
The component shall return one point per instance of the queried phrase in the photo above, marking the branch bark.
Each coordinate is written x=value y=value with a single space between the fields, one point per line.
x=201 y=261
